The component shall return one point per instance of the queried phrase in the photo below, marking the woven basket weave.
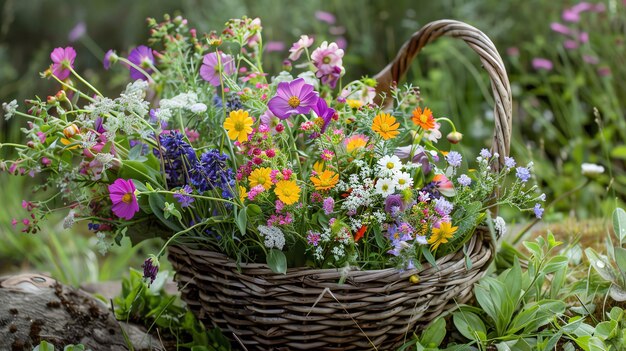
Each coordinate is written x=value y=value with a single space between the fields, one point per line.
x=307 y=309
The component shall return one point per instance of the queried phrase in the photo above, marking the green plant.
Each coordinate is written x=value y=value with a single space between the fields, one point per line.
x=154 y=308
x=45 y=346
x=609 y=335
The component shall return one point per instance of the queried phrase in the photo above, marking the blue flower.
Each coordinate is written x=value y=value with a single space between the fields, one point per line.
x=182 y=196
x=454 y=159
x=464 y=180
x=484 y=153
x=212 y=172
x=538 y=211
x=522 y=174
x=509 y=162
x=178 y=158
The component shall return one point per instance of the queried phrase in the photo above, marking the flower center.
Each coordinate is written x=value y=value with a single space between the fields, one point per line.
x=326 y=59
x=261 y=180
x=385 y=187
x=127 y=198
x=384 y=127
x=389 y=165
x=423 y=118
x=401 y=181
x=239 y=126
x=294 y=101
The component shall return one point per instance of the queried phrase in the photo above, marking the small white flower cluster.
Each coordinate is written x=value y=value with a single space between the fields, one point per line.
x=500 y=226
x=274 y=237
x=9 y=109
x=102 y=245
x=69 y=220
x=89 y=140
x=392 y=176
x=324 y=238
x=105 y=159
x=362 y=193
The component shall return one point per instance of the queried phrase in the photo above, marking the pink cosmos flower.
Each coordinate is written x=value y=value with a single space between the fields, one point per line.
x=272 y=46
x=77 y=32
x=324 y=16
x=122 y=194
x=327 y=57
x=298 y=47
x=211 y=68
x=62 y=58
x=292 y=98
x=560 y=28
x=542 y=64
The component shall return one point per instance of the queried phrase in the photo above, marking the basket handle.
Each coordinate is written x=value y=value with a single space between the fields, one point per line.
x=489 y=57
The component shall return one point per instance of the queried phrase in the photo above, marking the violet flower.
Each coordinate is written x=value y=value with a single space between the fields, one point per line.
x=142 y=57
x=211 y=68
x=298 y=47
x=62 y=59
x=542 y=64
x=324 y=112
x=293 y=98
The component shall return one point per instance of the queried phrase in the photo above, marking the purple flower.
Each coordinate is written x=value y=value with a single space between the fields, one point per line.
x=211 y=68
x=329 y=205
x=570 y=44
x=570 y=16
x=454 y=158
x=522 y=174
x=394 y=204
x=604 y=71
x=313 y=238
x=141 y=56
x=486 y=154
x=292 y=98
x=182 y=196
x=538 y=211
x=77 y=32
x=542 y=63
x=330 y=78
x=325 y=17
x=122 y=194
x=560 y=28
x=272 y=46
x=62 y=59
x=509 y=162
x=324 y=112
x=150 y=269
x=592 y=60
x=298 y=47
x=583 y=37
x=327 y=57
x=464 y=180
x=443 y=207
x=109 y=58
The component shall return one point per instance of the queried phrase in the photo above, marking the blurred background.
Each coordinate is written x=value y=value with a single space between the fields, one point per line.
x=564 y=61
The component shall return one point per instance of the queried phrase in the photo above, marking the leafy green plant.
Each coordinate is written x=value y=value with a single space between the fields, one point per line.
x=430 y=339
x=607 y=335
x=152 y=307
x=612 y=268
x=514 y=306
x=45 y=346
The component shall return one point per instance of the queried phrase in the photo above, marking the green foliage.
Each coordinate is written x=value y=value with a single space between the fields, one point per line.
x=152 y=307
x=45 y=346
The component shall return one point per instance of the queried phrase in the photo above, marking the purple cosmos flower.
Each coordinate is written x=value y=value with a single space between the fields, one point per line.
x=182 y=196
x=292 y=98
x=538 y=211
x=454 y=158
x=298 y=47
x=394 y=204
x=150 y=269
x=62 y=58
x=211 y=68
x=109 y=58
x=522 y=174
x=122 y=194
x=142 y=57
x=324 y=112
x=327 y=57
x=77 y=32
x=509 y=162
x=329 y=205
x=484 y=153
x=331 y=78
x=464 y=180
x=542 y=64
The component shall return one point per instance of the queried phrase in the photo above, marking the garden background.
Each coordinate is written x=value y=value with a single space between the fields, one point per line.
x=564 y=63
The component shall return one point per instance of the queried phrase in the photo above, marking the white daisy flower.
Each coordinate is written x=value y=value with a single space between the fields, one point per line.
x=403 y=180
x=389 y=165
x=385 y=187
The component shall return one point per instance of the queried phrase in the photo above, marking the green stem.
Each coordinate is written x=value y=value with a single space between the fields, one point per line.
x=447 y=120
x=83 y=95
x=84 y=81
x=141 y=70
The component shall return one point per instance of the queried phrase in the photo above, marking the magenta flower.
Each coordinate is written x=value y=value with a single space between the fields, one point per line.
x=327 y=57
x=62 y=59
x=560 y=28
x=142 y=57
x=542 y=64
x=77 y=32
x=211 y=68
x=109 y=58
x=292 y=98
x=570 y=15
x=122 y=194
x=272 y=46
x=570 y=44
x=324 y=16
x=298 y=47
x=324 y=112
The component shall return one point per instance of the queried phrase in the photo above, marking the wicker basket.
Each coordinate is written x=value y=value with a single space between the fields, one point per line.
x=307 y=309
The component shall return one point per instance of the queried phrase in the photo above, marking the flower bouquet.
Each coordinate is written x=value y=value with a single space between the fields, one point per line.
x=298 y=211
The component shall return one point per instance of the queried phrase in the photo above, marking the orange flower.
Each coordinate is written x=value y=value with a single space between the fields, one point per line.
x=359 y=234
x=325 y=180
x=354 y=142
x=423 y=119
x=385 y=125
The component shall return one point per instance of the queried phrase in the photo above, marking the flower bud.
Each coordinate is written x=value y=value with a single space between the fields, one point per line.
x=591 y=170
x=61 y=95
x=51 y=100
x=71 y=131
x=414 y=279
x=454 y=137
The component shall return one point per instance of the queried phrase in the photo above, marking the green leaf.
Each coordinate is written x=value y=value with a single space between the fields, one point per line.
x=620 y=259
x=619 y=152
x=619 y=223
x=44 y=346
x=378 y=236
x=555 y=264
x=605 y=329
x=79 y=347
x=523 y=319
x=157 y=204
x=135 y=153
x=513 y=280
x=599 y=264
x=469 y=325
x=242 y=220
x=429 y=256
x=277 y=261
x=434 y=334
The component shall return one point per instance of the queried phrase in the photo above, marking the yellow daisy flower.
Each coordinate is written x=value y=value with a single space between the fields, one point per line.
x=287 y=191
x=261 y=176
x=441 y=235
x=325 y=180
x=243 y=193
x=386 y=126
x=238 y=125
x=354 y=103
x=318 y=167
